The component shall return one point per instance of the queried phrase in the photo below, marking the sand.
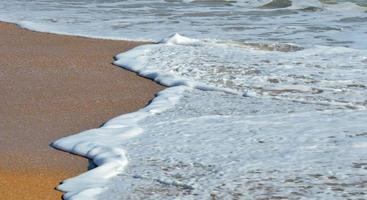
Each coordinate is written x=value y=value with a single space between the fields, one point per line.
x=52 y=86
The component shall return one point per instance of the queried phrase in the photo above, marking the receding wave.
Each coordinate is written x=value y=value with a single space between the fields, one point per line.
x=361 y=3
x=314 y=5
x=283 y=71
x=273 y=90
x=275 y=46
x=354 y=19
x=277 y=4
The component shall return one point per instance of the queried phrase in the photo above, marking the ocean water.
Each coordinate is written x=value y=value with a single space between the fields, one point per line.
x=266 y=99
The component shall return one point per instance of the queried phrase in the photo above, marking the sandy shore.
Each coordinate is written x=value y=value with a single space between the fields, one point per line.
x=52 y=86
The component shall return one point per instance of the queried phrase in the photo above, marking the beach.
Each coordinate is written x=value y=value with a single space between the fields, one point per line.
x=53 y=86
x=260 y=99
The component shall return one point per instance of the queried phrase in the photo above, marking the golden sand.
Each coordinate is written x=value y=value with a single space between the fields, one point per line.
x=52 y=86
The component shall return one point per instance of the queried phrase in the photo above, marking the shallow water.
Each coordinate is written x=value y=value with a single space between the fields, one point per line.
x=267 y=98
x=246 y=148
x=320 y=75
x=304 y=23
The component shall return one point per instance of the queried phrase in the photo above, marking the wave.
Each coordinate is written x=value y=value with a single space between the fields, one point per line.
x=106 y=146
x=315 y=5
x=277 y=4
x=268 y=57
x=284 y=71
x=101 y=146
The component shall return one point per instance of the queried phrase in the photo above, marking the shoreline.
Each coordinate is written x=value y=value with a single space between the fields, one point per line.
x=28 y=28
x=53 y=86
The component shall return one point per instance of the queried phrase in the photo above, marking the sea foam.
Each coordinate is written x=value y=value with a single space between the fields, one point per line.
x=263 y=102
x=102 y=147
x=201 y=132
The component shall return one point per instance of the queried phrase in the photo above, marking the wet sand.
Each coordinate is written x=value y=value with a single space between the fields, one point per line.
x=52 y=86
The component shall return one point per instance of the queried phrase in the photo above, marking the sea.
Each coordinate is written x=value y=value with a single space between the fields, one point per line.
x=265 y=99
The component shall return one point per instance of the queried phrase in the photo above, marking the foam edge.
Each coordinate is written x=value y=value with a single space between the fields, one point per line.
x=101 y=147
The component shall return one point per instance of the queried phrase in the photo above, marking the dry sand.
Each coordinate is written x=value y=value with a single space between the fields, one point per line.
x=52 y=86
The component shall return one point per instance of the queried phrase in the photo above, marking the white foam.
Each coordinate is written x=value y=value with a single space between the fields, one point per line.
x=174 y=63
x=210 y=138
x=223 y=145
x=301 y=70
x=136 y=60
x=178 y=39
x=314 y=75
x=102 y=147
